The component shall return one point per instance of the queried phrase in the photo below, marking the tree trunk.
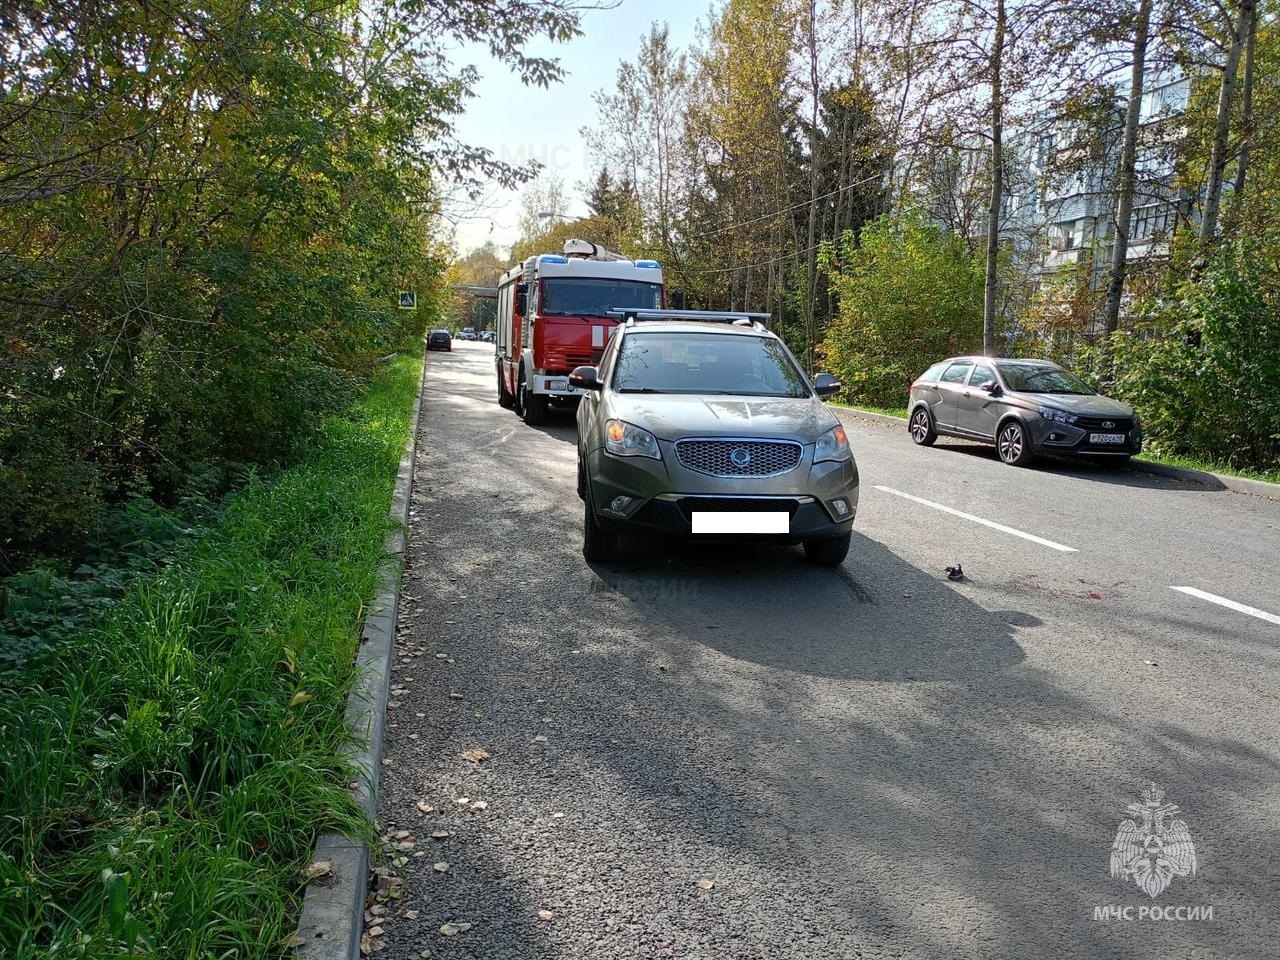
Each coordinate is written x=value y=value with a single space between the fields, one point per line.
x=997 y=184
x=1246 y=109
x=811 y=255
x=1126 y=179
x=1222 y=124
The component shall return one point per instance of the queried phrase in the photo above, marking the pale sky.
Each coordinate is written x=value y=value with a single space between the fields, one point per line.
x=519 y=123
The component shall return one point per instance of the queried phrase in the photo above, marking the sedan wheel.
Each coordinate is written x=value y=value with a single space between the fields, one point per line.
x=1011 y=444
x=921 y=428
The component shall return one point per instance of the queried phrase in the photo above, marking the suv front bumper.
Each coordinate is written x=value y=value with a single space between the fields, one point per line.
x=662 y=497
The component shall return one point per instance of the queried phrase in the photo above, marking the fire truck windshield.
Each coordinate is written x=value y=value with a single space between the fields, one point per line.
x=585 y=297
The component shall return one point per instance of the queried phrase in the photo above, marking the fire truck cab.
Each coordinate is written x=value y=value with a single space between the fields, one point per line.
x=553 y=315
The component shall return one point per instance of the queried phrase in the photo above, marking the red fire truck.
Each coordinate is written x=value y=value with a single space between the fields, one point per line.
x=553 y=315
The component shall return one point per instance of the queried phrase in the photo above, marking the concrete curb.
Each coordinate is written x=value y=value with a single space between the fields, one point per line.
x=1257 y=488
x=868 y=415
x=333 y=906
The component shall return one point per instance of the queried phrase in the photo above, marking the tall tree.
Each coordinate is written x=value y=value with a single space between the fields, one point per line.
x=1126 y=174
x=996 y=76
x=744 y=124
x=1219 y=155
x=642 y=121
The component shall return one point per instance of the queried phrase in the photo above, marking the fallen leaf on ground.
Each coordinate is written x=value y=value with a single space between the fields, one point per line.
x=480 y=805
x=557 y=815
x=440 y=866
x=403 y=834
x=424 y=806
x=539 y=739
x=450 y=928
x=546 y=916
x=706 y=884
x=455 y=696
x=317 y=869
x=376 y=931
x=440 y=834
x=476 y=755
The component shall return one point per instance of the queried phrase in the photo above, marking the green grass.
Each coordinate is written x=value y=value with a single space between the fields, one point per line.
x=164 y=775
x=1170 y=460
x=886 y=411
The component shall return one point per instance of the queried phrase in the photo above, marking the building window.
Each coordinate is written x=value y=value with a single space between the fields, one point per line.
x=1150 y=222
x=1062 y=237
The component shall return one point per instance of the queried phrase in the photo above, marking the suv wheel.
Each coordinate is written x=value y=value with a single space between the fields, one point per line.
x=921 y=427
x=829 y=551
x=598 y=546
x=1012 y=445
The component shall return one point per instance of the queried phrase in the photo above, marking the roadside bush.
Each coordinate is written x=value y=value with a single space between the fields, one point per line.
x=910 y=295
x=1205 y=374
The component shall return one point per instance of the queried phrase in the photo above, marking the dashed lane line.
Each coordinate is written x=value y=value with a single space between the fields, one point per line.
x=1229 y=604
x=986 y=523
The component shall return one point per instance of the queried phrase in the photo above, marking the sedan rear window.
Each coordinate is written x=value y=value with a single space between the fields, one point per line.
x=707 y=363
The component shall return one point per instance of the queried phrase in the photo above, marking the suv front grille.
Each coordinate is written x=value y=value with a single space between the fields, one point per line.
x=738 y=458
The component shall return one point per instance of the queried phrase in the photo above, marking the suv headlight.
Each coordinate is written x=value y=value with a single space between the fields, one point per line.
x=832 y=445
x=1057 y=416
x=624 y=439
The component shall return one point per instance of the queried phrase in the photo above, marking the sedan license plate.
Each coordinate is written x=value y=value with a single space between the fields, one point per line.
x=745 y=521
x=1106 y=438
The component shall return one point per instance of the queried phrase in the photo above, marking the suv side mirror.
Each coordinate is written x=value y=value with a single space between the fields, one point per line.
x=522 y=298
x=585 y=378
x=992 y=388
x=825 y=385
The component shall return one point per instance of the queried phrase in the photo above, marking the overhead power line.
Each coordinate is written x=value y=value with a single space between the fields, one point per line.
x=794 y=206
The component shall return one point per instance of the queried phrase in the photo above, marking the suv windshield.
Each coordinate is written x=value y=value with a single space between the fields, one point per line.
x=1039 y=378
x=582 y=297
x=707 y=363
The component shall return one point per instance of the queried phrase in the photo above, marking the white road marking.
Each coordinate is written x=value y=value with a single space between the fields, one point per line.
x=1229 y=604
x=986 y=523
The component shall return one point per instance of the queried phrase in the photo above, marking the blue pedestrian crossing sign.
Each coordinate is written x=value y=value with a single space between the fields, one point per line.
x=408 y=300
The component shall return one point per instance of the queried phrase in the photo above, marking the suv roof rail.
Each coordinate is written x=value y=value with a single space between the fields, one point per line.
x=736 y=317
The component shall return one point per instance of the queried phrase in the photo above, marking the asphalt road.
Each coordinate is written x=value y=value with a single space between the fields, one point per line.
x=866 y=762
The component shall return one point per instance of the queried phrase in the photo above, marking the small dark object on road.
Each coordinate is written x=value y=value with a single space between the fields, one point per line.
x=955 y=573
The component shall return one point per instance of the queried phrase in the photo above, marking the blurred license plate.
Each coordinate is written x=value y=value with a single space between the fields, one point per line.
x=1106 y=438
x=745 y=521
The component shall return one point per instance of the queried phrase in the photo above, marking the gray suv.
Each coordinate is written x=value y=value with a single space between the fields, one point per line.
x=1024 y=407
x=711 y=430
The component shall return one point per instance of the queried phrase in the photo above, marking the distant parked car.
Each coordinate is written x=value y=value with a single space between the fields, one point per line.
x=1024 y=407
x=488 y=336
x=439 y=340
